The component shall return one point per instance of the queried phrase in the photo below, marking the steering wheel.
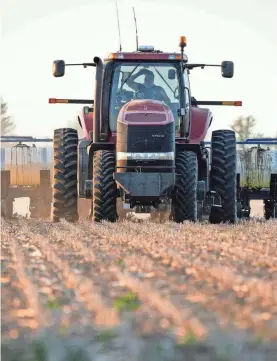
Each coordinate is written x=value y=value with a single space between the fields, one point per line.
x=139 y=95
x=121 y=97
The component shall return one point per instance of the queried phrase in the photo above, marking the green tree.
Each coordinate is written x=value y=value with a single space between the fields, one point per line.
x=7 y=124
x=243 y=126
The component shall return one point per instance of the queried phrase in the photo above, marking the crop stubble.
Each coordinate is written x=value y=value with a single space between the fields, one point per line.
x=206 y=283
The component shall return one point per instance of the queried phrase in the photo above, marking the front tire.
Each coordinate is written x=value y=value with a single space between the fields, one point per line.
x=223 y=176
x=104 y=187
x=184 y=201
x=65 y=192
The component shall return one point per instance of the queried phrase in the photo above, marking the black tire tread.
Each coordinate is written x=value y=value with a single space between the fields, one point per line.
x=184 y=202
x=104 y=187
x=223 y=177
x=65 y=191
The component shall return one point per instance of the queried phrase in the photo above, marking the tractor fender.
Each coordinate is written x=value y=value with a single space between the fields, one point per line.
x=201 y=119
x=86 y=123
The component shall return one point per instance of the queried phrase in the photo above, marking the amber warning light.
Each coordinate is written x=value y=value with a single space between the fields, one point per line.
x=237 y=103
x=70 y=101
x=183 y=41
x=54 y=100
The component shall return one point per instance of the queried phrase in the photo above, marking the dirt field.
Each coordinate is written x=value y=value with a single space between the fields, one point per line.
x=138 y=291
x=21 y=207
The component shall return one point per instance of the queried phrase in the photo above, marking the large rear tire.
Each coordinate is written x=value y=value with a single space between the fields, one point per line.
x=104 y=187
x=65 y=192
x=184 y=201
x=223 y=176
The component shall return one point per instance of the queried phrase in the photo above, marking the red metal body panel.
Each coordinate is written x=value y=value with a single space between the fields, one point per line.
x=87 y=122
x=145 y=112
x=200 y=118
x=200 y=122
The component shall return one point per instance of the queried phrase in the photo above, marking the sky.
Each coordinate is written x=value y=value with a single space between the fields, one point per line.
x=34 y=33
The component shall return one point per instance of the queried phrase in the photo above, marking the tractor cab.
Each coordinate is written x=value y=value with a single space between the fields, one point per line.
x=146 y=75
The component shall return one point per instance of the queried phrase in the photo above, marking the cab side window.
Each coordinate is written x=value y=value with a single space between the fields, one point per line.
x=187 y=87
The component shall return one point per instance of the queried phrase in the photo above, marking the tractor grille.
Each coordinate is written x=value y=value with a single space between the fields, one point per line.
x=148 y=108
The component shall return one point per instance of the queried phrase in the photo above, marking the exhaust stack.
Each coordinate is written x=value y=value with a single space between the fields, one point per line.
x=97 y=100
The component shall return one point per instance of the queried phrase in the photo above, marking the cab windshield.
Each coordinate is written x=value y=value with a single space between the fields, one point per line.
x=157 y=81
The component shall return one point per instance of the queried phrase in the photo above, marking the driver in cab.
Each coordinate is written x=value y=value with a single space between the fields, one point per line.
x=148 y=89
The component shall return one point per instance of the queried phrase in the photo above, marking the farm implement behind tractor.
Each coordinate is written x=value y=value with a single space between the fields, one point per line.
x=257 y=176
x=26 y=171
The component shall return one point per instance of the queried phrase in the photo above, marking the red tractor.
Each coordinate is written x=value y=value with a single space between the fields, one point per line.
x=144 y=143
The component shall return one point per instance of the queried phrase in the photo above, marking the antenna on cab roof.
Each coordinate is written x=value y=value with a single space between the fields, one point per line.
x=118 y=26
x=136 y=27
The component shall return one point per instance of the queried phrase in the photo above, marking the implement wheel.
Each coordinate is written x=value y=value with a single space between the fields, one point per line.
x=223 y=176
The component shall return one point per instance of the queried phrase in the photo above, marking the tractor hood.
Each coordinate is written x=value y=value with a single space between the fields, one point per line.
x=145 y=112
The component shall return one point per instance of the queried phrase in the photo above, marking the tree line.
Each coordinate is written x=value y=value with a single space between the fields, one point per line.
x=243 y=126
x=7 y=123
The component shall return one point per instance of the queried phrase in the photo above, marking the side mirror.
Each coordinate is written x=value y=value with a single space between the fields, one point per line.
x=171 y=74
x=227 y=69
x=58 y=68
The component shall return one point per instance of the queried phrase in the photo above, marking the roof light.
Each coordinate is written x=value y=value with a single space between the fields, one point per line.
x=146 y=48
x=116 y=56
x=183 y=41
x=178 y=57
